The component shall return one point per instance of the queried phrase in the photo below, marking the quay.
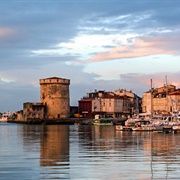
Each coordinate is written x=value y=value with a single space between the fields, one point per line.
x=85 y=121
x=68 y=121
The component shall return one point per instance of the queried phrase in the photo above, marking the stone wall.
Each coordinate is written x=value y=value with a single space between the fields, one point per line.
x=54 y=93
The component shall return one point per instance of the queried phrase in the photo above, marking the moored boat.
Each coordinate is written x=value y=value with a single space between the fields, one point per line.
x=167 y=129
x=103 y=121
x=143 y=125
x=176 y=128
x=123 y=128
x=143 y=128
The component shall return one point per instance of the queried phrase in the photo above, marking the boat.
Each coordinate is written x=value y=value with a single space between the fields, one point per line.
x=103 y=121
x=166 y=124
x=167 y=129
x=136 y=123
x=119 y=127
x=176 y=128
x=77 y=123
x=144 y=127
x=123 y=128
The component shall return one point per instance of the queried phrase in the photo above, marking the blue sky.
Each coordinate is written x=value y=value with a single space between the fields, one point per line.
x=97 y=44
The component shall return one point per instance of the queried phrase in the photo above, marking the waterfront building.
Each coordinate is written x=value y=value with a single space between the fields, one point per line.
x=135 y=100
x=105 y=104
x=175 y=100
x=33 y=110
x=162 y=100
x=85 y=108
x=19 y=116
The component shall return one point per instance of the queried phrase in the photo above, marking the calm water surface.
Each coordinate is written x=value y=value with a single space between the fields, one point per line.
x=86 y=152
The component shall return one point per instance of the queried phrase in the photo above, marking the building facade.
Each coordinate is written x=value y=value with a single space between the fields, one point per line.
x=175 y=100
x=135 y=100
x=33 y=110
x=106 y=104
x=162 y=100
x=85 y=108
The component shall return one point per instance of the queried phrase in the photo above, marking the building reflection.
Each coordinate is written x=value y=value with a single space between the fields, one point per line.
x=54 y=146
x=96 y=137
x=104 y=136
x=163 y=144
x=156 y=146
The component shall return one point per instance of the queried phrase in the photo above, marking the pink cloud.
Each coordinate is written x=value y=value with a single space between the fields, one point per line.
x=4 y=32
x=144 y=46
x=158 y=79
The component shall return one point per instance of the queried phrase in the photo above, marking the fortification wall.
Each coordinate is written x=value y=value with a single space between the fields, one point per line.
x=54 y=93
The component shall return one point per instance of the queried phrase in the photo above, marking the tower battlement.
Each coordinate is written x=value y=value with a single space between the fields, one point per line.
x=54 y=80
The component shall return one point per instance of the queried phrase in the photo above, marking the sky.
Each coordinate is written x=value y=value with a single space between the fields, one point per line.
x=97 y=44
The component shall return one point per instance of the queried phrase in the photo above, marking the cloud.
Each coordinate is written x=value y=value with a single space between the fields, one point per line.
x=142 y=46
x=15 y=94
x=143 y=81
x=64 y=38
x=84 y=45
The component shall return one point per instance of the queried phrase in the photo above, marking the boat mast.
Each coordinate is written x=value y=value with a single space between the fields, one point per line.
x=168 y=98
x=167 y=95
x=151 y=100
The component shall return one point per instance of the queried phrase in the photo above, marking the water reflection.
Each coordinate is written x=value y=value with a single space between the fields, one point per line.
x=165 y=155
x=30 y=137
x=145 y=155
x=54 y=145
x=54 y=152
x=86 y=152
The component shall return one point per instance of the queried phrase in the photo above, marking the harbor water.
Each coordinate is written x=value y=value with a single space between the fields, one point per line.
x=86 y=152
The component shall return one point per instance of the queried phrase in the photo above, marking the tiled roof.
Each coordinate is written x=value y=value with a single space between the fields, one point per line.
x=87 y=99
x=177 y=92
x=114 y=96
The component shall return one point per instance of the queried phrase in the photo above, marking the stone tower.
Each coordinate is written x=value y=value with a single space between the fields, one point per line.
x=54 y=93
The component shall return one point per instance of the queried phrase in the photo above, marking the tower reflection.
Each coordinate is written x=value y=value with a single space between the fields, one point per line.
x=54 y=146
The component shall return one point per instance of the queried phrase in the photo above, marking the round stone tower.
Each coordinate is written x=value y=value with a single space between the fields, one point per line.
x=54 y=93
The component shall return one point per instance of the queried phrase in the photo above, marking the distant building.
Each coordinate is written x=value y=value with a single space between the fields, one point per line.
x=135 y=100
x=162 y=100
x=104 y=103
